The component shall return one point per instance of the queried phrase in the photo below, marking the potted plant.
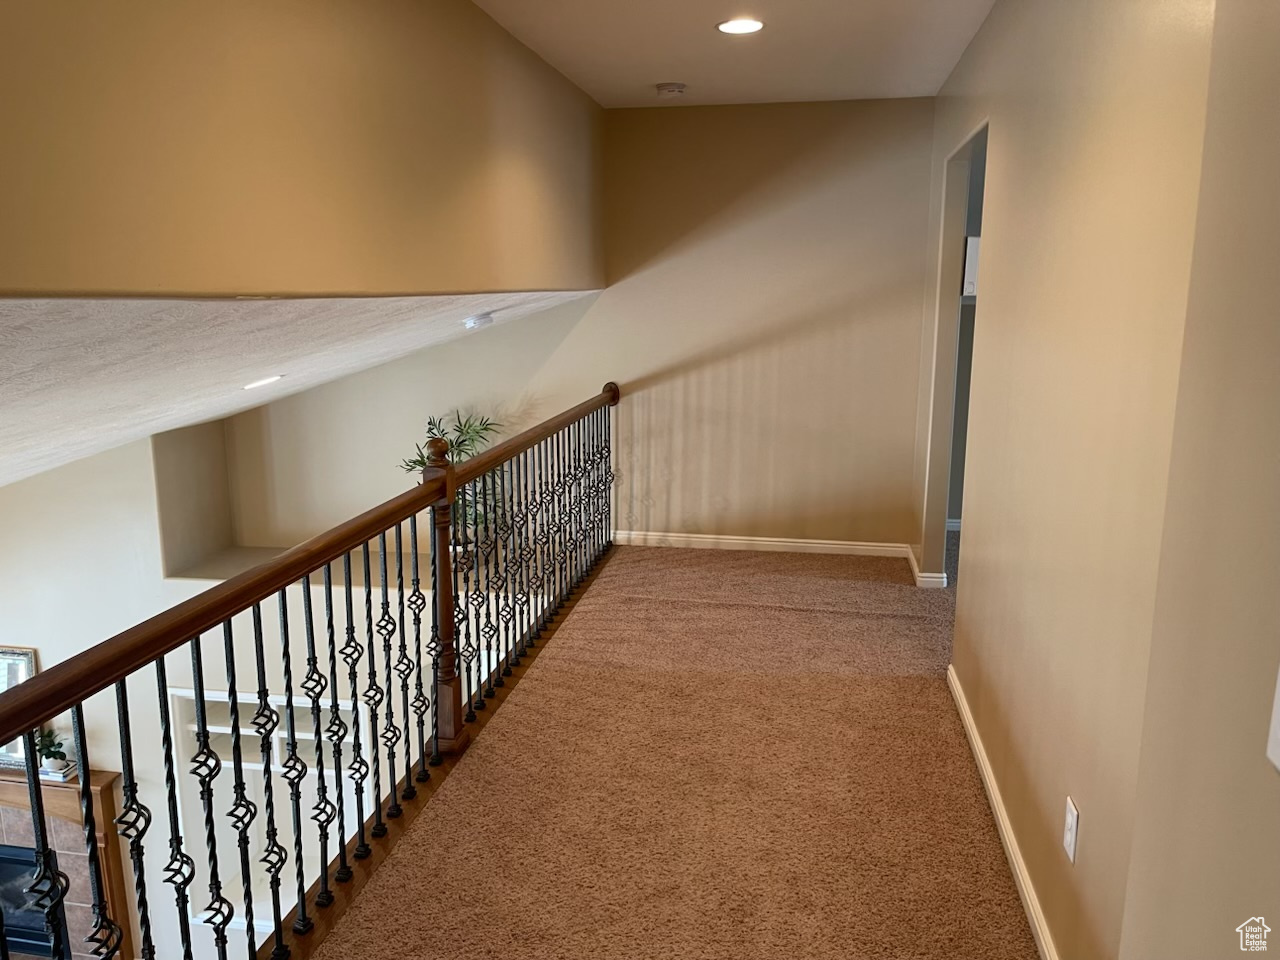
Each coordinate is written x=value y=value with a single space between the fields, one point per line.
x=467 y=436
x=49 y=746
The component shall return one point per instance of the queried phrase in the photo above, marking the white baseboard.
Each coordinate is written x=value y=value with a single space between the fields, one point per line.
x=1030 y=902
x=953 y=526
x=928 y=581
x=848 y=548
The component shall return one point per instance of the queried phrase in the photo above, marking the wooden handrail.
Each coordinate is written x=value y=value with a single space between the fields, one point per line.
x=482 y=463
x=62 y=686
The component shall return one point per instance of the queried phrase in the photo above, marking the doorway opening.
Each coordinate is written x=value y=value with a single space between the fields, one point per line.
x=958 y=292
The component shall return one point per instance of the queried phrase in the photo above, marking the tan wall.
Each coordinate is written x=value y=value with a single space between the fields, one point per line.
x=1096 y=114
x=193 y=494
x=1203 y=858
x=301 y=146
x=767 y=271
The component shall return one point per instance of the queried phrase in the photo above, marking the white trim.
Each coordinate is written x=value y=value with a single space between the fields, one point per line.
x=1026 y=890
x=848 y=548
x=952 y=525
x=927 y=581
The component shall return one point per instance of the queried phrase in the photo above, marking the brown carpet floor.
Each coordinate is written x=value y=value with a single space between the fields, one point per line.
x=719 y=756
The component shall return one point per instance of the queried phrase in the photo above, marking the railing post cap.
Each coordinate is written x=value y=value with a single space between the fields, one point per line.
x=438 y=452
x=614 y=391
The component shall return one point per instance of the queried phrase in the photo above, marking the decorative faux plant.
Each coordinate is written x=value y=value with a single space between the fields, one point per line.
x=467 y=436
x=49 y=745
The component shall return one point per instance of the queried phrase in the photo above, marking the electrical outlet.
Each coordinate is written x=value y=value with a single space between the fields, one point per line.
x=1071 y=831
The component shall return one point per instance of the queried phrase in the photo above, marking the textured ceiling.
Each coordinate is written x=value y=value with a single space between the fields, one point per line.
x=616 y=50
x=81 y=376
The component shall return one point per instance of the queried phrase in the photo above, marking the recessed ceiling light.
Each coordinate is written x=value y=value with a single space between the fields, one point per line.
x=263 y=382
x=740 y=26
x=478 y=321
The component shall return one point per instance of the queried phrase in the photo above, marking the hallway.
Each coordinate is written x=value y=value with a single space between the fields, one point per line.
x=718 y=755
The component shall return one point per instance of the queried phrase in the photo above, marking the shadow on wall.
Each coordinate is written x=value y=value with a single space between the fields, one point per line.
x=697 y=444
x=666 y=153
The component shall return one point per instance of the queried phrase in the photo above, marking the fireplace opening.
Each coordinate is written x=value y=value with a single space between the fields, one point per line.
x=24 y=922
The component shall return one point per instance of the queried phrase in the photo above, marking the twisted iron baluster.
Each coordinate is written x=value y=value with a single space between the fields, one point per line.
x=464 y=652
x=610 y=477
x=471 y=652
x=180 y=869
x=351 y=652
x=134 y=819
x=520 y=552
x=265 y=721
x=314 y=685
x=243 y=811
x=386 y=627
x=503 y=552
x=562 y=521
x=294 y=770
x=404 y=670
x=205 y=767
x=434 y=647
x=48 y=884
x=105 y=936
x=417 y=604
x=545 y=505
x=373 y=697
x=487 y=545
x=575 y=492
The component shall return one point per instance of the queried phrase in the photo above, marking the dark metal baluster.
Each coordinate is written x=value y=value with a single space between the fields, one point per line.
x=597 y=482
x=610 y=476
x=520 y=552
x=421 y=702
x=488 y=544
x=545 y=508
x=294 y=770
x=49 y=884
x=243 y=811
x=314 y=685
x=105 y=936
x=336 y=730
x=562 y=521
x=404 y=670
x=464 y=650
x=205 y=767
x=180 y=869
x=134 y=820
x=386 y=628
x=4 y=939
x=373 y=697
x=476 y=597
x=506 y=610
x=579 y=501
x=434 y=645
x=265 y=721
x=359 y=769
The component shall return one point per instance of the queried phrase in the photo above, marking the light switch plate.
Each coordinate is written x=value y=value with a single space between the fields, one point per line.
x=1071 y=830
x=1273 y=740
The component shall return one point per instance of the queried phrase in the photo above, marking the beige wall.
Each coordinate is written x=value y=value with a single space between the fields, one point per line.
x=767 y=270
x=193 y=494
x=1207 y=829
x=1096 y=114
x=296 y=147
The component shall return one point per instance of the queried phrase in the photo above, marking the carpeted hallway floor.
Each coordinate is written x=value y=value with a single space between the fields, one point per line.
x=738 y=756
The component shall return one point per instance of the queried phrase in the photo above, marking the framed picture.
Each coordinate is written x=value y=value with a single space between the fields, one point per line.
x=16 y=665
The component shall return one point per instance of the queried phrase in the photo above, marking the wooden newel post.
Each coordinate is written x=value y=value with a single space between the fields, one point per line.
x=454 y=734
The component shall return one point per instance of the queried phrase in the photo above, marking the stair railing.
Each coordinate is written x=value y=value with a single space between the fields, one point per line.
x=350 y=666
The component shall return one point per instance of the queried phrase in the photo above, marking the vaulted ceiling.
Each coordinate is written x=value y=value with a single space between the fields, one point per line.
x=617 y=50
x=81 y=376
